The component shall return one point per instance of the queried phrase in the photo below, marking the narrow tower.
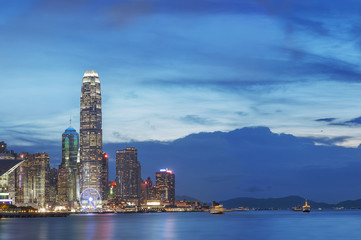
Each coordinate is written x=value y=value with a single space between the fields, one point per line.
x=68 y=169
x=91 y=153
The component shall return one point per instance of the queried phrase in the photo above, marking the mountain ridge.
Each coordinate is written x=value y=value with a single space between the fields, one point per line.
x=250 y=161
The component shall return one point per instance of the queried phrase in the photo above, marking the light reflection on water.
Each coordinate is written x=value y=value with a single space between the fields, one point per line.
x=232 y=225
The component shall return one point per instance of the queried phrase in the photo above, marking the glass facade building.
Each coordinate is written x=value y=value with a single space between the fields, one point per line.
x=91 y=153
x=68 y=181
x=32 y=179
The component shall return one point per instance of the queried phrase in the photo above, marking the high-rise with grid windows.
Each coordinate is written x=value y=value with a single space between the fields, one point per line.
x=91 y=152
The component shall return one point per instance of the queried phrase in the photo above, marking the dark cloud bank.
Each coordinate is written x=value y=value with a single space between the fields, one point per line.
x=251 y=162
x=332 y=121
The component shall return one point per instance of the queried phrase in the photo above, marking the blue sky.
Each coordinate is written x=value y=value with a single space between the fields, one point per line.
x=172 y=68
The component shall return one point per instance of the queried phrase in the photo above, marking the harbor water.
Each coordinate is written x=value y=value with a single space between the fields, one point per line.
x=246 y=225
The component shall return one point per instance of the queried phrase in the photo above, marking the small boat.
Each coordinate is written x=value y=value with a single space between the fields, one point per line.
x=306 y=207
x=241 y=209
x=217 y=209
x=297 y=208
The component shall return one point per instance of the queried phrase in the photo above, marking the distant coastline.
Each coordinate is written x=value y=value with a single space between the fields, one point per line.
x=286 y=203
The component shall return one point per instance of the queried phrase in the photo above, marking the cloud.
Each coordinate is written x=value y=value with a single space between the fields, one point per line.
x=350 y=123
x=306 y=24
x=325 y=119
x=312 y=64
x=355 y=121
x=331 y=141
x=194 y=119
x=121 y=137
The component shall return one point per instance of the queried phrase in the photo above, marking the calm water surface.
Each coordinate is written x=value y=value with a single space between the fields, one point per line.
x=231 y=225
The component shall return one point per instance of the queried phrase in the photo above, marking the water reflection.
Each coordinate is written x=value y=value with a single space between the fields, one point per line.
x=169 y=228
x=234 y=225
x=104 y=227
x=43 y=230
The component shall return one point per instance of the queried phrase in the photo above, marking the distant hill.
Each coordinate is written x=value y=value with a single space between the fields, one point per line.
x=252 y=162
x=350 y=204
x=279 y=203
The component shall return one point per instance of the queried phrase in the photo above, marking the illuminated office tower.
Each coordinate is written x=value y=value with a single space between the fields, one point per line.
x=165 y=186
x=53 y=185
x=128 y=178
x=91 y=153
x=68 y=169
x=32 y=186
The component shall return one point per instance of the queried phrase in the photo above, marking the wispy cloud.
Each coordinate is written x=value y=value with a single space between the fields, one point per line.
x=325 y=119
x=350 y=123
x=194 y=119
x=331 y=141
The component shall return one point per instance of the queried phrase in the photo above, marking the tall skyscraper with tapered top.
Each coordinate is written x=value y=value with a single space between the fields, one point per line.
x=91 y=153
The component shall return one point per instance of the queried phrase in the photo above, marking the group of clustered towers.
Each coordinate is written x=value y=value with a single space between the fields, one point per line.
x=82 y=178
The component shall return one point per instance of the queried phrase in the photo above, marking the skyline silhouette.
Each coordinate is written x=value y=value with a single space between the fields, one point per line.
x=172 y=71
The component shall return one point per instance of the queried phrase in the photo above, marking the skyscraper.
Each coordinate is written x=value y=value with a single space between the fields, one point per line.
x=165 y=185
x=53 y=185
x=91 y=153
x=68 y=169
x=32 y=180
x=128 y=177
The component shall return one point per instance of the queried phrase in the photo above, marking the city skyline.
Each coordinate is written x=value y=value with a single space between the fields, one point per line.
x=190 y=119
x=175 y=72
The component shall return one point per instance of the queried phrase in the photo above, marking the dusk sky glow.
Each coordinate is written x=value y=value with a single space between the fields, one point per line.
x=172 y=68
x=275 y=84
